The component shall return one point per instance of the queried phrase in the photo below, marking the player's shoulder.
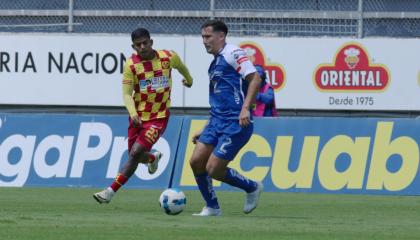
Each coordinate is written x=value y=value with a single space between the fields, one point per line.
x=163 y=53
x=231 y=49
x=233 y=53
x=130 y=60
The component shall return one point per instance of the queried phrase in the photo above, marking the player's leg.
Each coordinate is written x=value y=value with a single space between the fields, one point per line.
x=225 y=151
x=147 y=136
x=156 y=128
x=106 y=195
x=140 y=141
x=137 y=151
x=198 y=162
x=218 y=169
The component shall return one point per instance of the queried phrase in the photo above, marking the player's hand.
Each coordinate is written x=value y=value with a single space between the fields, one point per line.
x=185 y=83
x=136 y=121
x=196 y=136
x=244 y=117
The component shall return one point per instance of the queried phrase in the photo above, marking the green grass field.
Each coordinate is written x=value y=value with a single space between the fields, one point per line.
x=71 y=213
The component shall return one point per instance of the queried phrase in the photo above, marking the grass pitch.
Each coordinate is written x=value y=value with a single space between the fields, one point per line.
x=72 y=213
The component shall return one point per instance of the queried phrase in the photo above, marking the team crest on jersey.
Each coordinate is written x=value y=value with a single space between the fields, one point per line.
x=165 y=64
x=275 y=72
x=351 y=70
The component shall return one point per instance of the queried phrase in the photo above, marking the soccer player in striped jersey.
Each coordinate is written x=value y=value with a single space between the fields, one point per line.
x=146 y=88
x=230 y=125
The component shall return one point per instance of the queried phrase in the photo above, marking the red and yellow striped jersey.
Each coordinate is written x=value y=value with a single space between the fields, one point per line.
x=149 y=83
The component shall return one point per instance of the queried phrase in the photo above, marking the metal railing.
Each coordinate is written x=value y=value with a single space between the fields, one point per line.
x=286 y=18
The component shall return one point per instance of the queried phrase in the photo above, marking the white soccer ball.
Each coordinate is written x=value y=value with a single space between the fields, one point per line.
x=172 y=201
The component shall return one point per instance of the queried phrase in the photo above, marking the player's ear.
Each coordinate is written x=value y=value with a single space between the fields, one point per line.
x=222 y=35
x=151 y=42
x=133 y=46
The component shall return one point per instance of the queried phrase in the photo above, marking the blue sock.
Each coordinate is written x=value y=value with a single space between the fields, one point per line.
x=205 y=185
x=237 y=180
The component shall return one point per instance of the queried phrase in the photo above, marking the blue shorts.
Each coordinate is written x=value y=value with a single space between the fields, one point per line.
x=227 y=136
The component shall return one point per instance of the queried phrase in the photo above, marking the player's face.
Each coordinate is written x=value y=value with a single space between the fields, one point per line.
x=143 y=47
x=213 y=41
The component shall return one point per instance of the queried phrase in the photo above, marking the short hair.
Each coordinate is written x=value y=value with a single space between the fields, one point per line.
x=140 y=33
x=217 y=25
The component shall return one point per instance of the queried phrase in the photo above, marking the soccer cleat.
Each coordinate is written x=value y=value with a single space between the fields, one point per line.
x=104 y=196
x=152 y=167
x=252 y=198
x=208 y=212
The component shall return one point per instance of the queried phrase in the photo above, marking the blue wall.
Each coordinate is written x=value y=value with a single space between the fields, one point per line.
x=296 y=154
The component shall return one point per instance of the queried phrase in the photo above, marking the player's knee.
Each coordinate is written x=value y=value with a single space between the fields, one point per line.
x=137 y=153
x=210 y=170
x=213 y=171
x=196 y=164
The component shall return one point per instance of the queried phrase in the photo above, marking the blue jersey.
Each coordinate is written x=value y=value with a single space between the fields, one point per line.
x=226 y=72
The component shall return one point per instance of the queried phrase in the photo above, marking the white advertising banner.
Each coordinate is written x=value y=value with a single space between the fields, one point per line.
x=306 y=73
x=322 y=73
x=81 y=70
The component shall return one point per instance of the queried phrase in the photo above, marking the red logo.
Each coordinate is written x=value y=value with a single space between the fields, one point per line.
x=351 y=71
x=275 y=72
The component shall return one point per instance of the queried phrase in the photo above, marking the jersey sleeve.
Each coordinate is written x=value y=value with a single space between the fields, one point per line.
x=180 y=66
x=239 y=60
x=127 y=73
x=127 y=88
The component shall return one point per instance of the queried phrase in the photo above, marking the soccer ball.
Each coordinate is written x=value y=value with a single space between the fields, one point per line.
x=172 y=201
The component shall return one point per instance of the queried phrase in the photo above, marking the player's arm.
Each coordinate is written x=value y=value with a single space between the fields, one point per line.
x=182 y=69
x=239 y=61
x=253 y=88
x=127 y=91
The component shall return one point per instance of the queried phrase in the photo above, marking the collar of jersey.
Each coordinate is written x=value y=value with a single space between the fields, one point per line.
x=141 y=59
x=221 y=50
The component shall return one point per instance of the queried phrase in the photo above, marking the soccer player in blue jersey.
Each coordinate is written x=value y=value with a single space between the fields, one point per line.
x=230 y=125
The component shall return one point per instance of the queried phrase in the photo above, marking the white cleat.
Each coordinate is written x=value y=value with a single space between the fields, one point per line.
x=152 y=167
x=252 y=198
x=104 y=196
x=208 y=212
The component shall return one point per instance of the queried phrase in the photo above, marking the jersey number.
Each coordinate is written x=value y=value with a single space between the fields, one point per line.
x=227 y=142
x=151 y=135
